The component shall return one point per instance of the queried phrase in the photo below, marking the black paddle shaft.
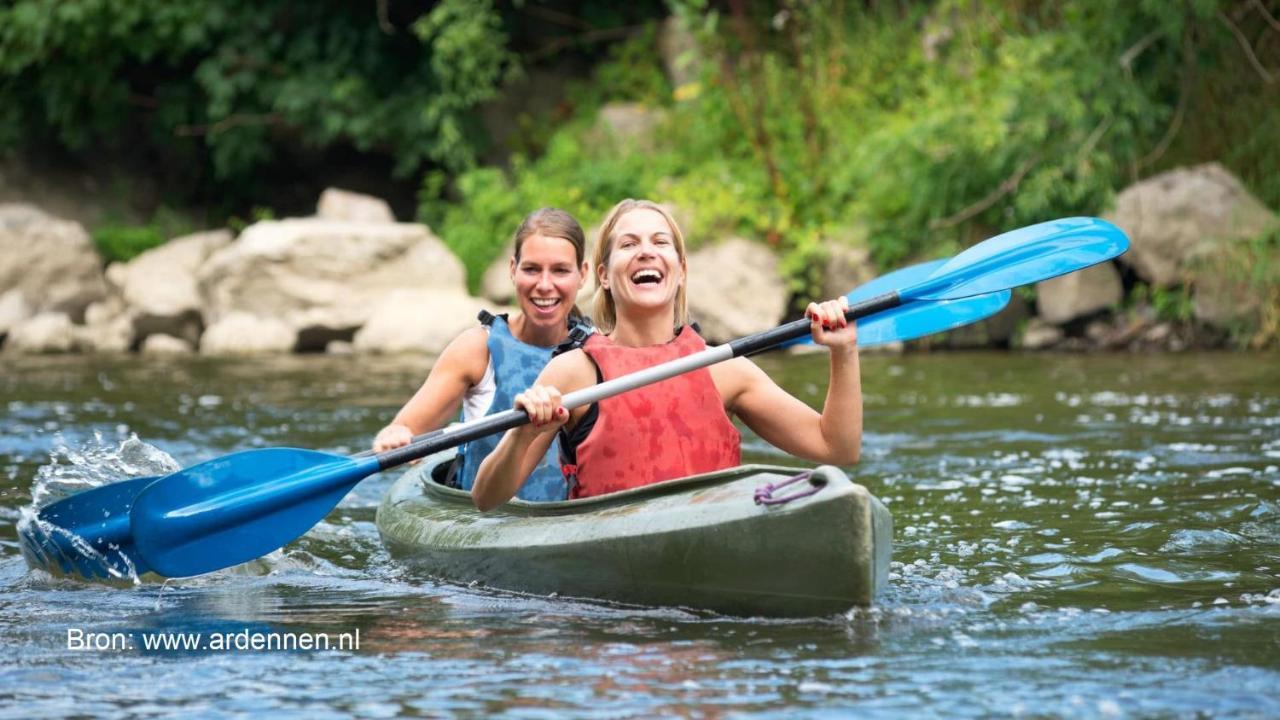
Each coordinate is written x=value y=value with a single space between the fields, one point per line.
x=762 y=341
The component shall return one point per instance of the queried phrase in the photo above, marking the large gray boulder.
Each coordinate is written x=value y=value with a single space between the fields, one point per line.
x=1079 y=294
x=323 y=279
x=13 y=310
x=848 y=263
x=46 y=265
x=417 y=321
x=735 y=289
x=1176 y=218
x=49 y=332
x=108 y=327
x=345 y=205
x=243 y=333
x=159 y=289
x=626 y=125
x=681 y=57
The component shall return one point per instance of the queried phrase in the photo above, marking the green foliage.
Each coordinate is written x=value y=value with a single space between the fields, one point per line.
x=931 y=124
x=121 y=243
x=258 y=213
x=1247 y=273
x=227 y=88
x=581 y=170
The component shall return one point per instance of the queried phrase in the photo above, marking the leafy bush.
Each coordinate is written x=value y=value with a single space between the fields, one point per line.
x=219 y=90
x=121 y=243
x=933 y=125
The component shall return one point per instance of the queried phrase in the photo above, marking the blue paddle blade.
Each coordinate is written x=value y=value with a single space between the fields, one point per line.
x=239 y=507
x=87 y=534
x=1021 y=257
x=915 y=319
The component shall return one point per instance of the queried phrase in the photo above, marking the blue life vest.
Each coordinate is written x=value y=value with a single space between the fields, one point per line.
x=516 y=365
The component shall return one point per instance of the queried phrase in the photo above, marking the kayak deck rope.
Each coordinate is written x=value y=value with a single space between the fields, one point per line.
x=764 y=493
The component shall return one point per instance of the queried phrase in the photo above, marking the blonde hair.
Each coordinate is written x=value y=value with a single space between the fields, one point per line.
x=605 y=313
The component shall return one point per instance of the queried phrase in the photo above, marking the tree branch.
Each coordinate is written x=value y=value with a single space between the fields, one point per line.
x=1009 y=185
x=1128 y=56
x=227 y=123
x=1262 y=9
x=384 y=19
x=1248 y=49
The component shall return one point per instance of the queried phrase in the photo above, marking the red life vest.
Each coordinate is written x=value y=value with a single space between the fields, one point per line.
x=667 y=430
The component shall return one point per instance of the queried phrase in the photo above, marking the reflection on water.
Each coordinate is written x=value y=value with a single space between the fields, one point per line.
x=1076 y=537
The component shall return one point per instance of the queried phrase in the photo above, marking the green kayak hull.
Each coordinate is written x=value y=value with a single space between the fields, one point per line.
x=697 y=542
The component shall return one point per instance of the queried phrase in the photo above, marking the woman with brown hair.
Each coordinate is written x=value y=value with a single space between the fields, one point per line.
x=680 y=426
x=485 y=367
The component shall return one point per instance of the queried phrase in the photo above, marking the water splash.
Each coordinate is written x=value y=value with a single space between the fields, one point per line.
x=97 y=464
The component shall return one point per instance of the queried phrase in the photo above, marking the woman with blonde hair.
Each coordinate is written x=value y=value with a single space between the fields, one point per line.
x=679 y=426
x=485 y=367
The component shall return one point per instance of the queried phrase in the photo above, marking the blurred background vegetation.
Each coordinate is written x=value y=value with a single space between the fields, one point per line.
x=910 y=127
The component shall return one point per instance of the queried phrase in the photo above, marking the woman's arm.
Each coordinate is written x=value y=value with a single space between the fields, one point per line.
x=502 y=473
x=461 y=366
x=835 y=435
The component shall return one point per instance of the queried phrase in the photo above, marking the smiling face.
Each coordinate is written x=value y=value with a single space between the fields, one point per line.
x=547 y=278
x=644 y=268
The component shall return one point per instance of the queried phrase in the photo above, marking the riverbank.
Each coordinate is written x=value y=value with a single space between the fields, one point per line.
x=1203 y=272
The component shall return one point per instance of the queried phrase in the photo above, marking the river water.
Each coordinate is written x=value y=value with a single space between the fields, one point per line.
x=1075 y=536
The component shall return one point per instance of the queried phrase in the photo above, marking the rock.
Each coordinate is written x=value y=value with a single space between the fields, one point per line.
x=1040 y=335
x=166 y=345
x=345 y=205
x=995 y=331
x=13 y=310
x=108 y=326
x=1158 y=334
x=106 y=329
x=242 y=333
x=340 y=347
x=323 y=277
x=417 y=321
x=1179 y=216
x=735 y=289
x=1079 y=294
x=48 y=332
x=51 y=262
x=159 y=286
x=625 y=125
x=1226 y=300
x=496 y=283
x=681 y=57
x=848 y=264
x=1099 y=332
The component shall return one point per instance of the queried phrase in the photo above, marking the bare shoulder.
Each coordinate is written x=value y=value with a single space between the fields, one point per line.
x=569 y=371
x=466 y=356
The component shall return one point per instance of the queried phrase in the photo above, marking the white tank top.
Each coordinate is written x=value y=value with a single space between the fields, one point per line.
x=479 y=398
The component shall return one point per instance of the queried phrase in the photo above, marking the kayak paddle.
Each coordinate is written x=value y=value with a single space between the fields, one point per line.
x=241 y=506
x=89 y=533
x=915 y=319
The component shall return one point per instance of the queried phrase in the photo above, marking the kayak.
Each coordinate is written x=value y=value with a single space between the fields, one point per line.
x=751 y=540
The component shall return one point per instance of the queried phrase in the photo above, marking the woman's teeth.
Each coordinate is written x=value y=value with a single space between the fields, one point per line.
x=646 y=276
x=546 y=302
